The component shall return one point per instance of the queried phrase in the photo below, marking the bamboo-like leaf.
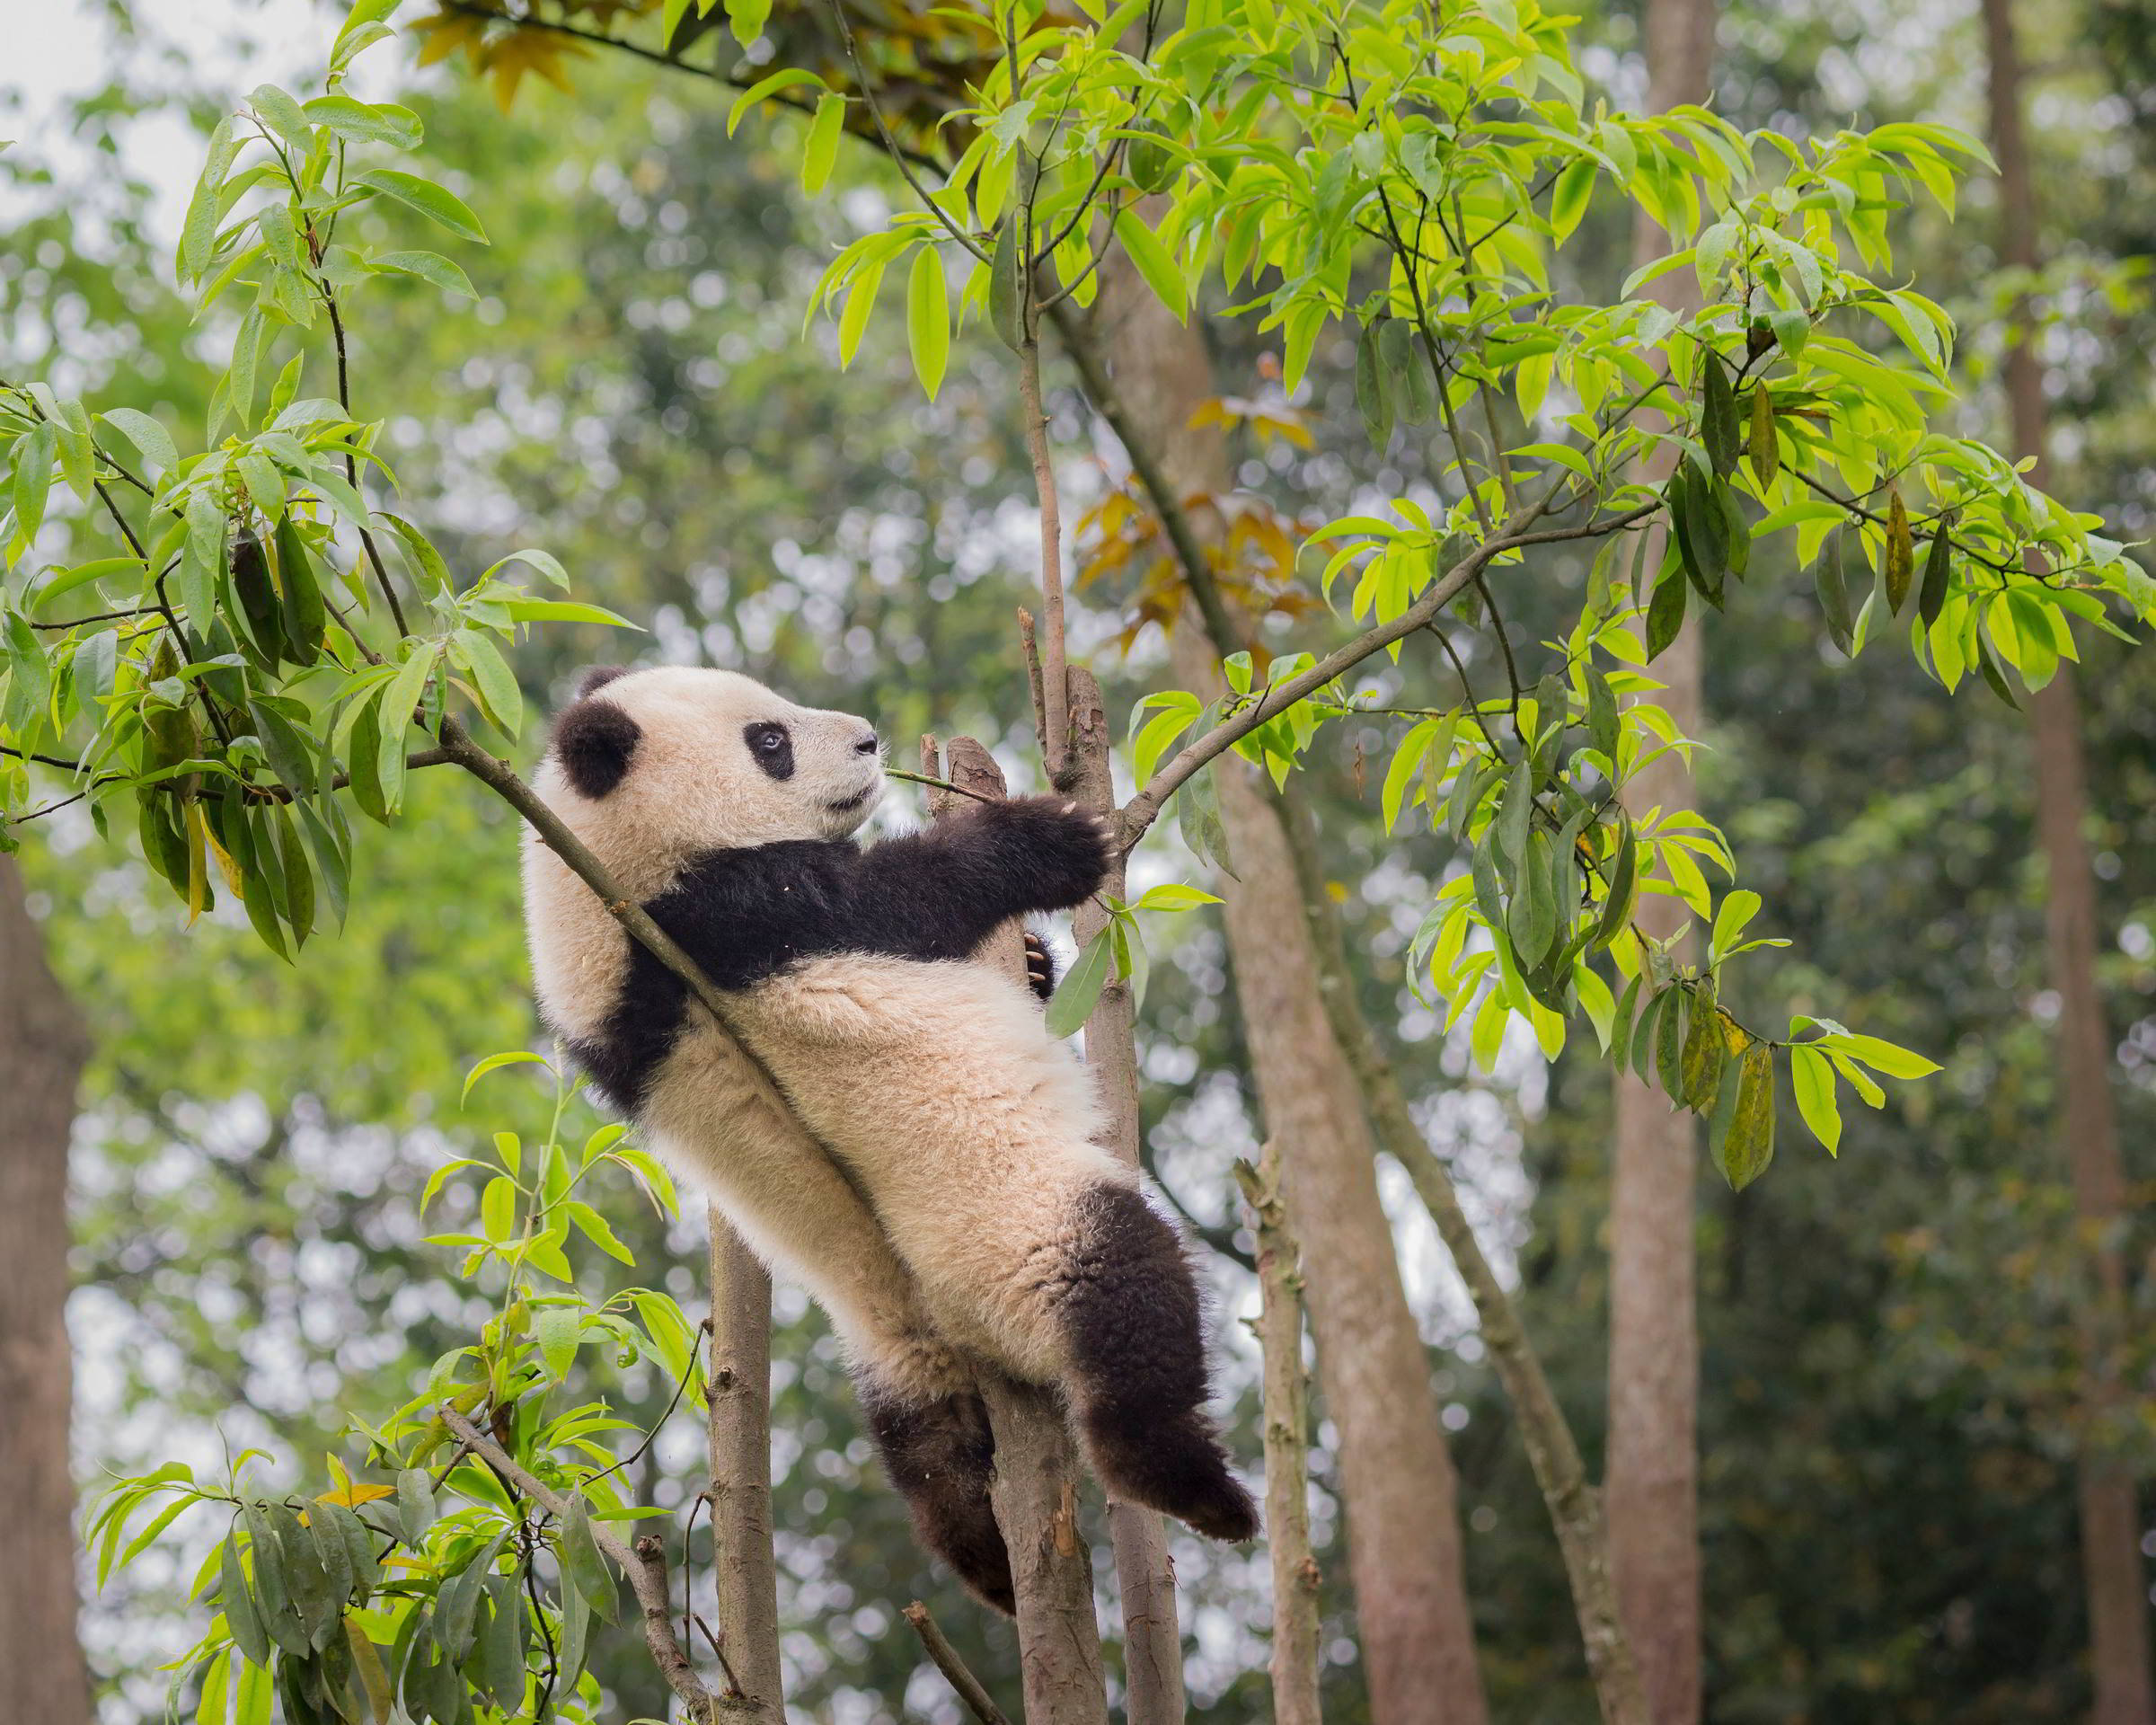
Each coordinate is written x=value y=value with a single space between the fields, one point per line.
x=1938 y=563
x=436 y=203
x=1076 y=994
x=1719 y=428
x=1831 y=583
x=1901 y=552
x=928 y=318
x=1006 y=309
x=1153 y=261
x=1748 y=1146
x=1765 y=447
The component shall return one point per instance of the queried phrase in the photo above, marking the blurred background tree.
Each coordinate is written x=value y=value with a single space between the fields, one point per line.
x=1889 y=1418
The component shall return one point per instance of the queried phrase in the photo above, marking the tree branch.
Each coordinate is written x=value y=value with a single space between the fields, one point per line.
x=977 y=1700
x=1143 y=809
x=1294 y=1662
x=645 y=1566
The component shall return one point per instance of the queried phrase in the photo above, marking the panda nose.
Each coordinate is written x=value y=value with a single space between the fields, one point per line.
x=867 y=745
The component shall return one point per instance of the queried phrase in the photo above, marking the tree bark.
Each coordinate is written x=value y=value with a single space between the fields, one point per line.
x=1152 y=1646
x=2112 y=1572
x=1575 y=1506
x=1035 y=1490
x=1396 y=1476
x=1296 y=1577
x=740 y=1470
x=42 y=1049
x=1651 y=1474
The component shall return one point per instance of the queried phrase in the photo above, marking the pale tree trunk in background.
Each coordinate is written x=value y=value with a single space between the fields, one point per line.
x=739 y=1444
x=42 y=1048
x=1396 y=1476
x=2110 y=1518
x=1650 y=1487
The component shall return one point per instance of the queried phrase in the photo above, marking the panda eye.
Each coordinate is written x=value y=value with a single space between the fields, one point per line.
x=770 y=748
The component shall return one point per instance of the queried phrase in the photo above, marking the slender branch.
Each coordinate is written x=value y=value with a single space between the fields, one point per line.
x=1056 y=714
x=351 y=468
x=1296 y=1577
x=42 y=760
x=1575 y=1506
x=1143 y=809
x=933 y=1642
x=645 y=1566
x=903 y=160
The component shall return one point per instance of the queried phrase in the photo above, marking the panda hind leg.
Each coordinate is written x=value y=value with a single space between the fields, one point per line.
x=1127 y=1306
x=940 y=1456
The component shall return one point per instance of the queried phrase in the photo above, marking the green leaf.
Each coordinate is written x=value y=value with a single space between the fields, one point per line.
x=242 y=1615
x=283 y=115
x=764 y=88
x=428 y=267
x=1669 y=1046
x=436 y=203
x=1175 y=896
x=1076 y=994
x=1700 y=1062
x=1901 y=553
x=821 y=150
x=928 y=318
x=498 y=1210
x=1832 y=587
x=1931 y=597
x=1154 y=261
x=495 y=1062
x=1764 y=446
x=1006 y=311
x=1569 y=199
x=1665 y=611
x=593 y=1227
x=146 y=435
x=1373 y=394
x=1812 y=1080
x=557 y=1329
x=524 y=610
x=497 y=685
x=1720 y=428
x=1748 y=1146
x=415 y=1504
x=580 y=1557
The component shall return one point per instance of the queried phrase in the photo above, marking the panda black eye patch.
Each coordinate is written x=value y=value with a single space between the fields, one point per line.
x=770 y=748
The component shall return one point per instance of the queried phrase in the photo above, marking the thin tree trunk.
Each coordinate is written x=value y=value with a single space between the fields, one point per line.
x=2112 y=1572
x=42 y=1049
x=1574 y=1505
x=1651 y=1477
x=740 y=1467
x=1396 y=1476
x=1296 y=1577
x=1152 y=1647
x=1035 y=1490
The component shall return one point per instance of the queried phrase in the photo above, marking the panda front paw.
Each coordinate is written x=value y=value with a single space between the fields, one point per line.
x=1058 y=852
x=1040 y=967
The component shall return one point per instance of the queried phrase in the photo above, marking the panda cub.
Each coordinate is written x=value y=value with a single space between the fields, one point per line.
x=947 y=1203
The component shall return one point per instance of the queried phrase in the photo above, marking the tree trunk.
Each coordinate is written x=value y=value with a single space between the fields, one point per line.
x=1651 y=1485
x=2109 y=1512
x=1396 y=1475
x=42 y=1049
x=1035 y=1489
x=740 y=1469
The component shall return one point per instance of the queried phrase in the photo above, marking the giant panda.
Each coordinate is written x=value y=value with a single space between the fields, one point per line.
x=947 y=1204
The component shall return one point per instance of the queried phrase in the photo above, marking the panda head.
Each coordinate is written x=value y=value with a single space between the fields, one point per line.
x=651 y=767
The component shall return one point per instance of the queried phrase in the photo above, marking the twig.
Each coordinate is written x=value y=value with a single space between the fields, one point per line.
x=645 y=1566
x=1143 y=809
x=977 y=1700
x=1056 y=710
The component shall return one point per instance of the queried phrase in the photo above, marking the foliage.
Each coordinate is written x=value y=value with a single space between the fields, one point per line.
x=442 y=1590
x=1413 y=172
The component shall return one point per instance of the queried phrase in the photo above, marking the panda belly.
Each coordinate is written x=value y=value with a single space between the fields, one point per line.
x=970 y=1130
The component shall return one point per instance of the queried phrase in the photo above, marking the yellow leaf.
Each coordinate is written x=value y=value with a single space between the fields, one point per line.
x=352 y=1496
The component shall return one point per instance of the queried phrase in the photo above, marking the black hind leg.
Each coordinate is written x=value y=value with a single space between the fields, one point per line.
x=940 y=1456
x=1129 y=1310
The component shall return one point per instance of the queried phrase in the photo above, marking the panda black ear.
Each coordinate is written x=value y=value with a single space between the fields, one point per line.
x=594 y=741
x=597 y=678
